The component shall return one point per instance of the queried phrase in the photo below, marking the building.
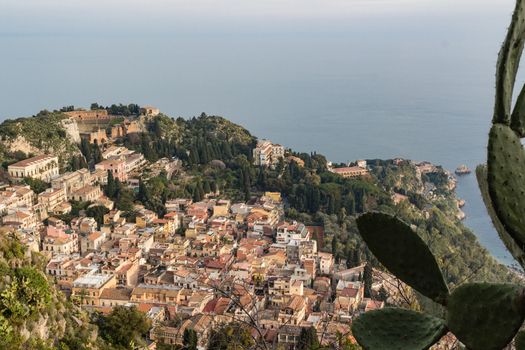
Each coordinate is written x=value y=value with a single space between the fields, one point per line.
x=23 y=219
x=117 y=167
x=98 y=136
x=88 y=193
x=89 y=116
x=349 y=172
x=16 y=196
x=71 y=181
x=92 y=241
x=88 y=289
x=326 y=263
x=44 y=167
x=267 y=154
x=57 y=241
x=125 y=128
x=293 y=312
x=150 y=111
x=50 y=198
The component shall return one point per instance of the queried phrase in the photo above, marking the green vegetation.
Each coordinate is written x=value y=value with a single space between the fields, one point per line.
x=232 y=336
x=38 y=186
x=30 y=305
x=308 y=339
x=123 y=327
x=43 y=133
x=481 y=315
x=120 y=109
x=397 y=329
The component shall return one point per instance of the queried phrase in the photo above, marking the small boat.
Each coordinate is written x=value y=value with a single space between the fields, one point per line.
x=462 y=170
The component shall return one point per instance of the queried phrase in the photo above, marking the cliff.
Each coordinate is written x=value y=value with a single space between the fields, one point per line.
x=44 y=133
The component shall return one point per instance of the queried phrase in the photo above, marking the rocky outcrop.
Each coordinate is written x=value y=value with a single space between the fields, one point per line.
x=20 y=144
x=71 y=128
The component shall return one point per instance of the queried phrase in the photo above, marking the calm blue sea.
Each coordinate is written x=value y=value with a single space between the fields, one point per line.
x=415 y=85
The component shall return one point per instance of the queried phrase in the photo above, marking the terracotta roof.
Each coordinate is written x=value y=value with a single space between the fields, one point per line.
x=33 y=160
x=116 y=293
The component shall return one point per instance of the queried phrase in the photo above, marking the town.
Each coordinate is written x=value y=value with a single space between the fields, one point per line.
x=204 y=260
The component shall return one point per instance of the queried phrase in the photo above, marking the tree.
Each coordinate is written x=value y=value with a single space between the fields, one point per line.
x=110 y=189
x=198 y=192
x=189 y=339
x=143 y=194
x=37 y=185
x=382 y=294
x=97 y=153
x=367 y=280
x=232 y=336
x=308 y=339
x=334 y=245
x=98 y=213
x=124 y=325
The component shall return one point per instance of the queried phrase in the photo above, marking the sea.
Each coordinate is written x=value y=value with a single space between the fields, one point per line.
x=412 y=84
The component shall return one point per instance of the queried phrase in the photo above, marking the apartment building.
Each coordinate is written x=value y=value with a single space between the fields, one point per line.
x=44 y=167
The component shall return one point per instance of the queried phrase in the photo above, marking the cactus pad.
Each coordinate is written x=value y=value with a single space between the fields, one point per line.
x=397 y=329
x=486 y=316
x=506 y=180
x=519 y=340
x=517 y=122
x=508 y=62
x=404 y=253
x=512 y=245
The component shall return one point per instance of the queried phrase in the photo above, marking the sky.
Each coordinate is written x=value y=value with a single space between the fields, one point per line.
x=29 y=15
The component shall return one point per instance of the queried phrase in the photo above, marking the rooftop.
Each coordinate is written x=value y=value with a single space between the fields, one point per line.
x=33 y=160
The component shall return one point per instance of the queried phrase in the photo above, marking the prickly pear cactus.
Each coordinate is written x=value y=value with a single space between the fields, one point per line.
x=507 y=67
x=404 y=253
x=397 y=329
x=484 y=315
x=519 y=341
x=506 y=180
x=506 y=157
x=514 y=246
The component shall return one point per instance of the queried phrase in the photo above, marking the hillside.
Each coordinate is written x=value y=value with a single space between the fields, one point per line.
x=215 y=159
x=33 y=314
x=46 y=132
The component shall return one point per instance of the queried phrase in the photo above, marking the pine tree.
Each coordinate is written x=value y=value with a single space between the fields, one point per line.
x=334 y=245
x=246 y=184
x=85 y=148
x=315 y=202
x=206 y=187
x=189 y=339
x=367 y=280
x=143 y=194
x=110 y=187
x=97 y=154
x=198 y=192
x=308 y=339
x=261 y=179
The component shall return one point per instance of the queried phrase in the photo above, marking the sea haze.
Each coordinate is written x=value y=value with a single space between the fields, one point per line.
x=375 y=80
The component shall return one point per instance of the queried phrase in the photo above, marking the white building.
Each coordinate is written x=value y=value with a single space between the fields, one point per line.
x=267 y=153
x=42 y=167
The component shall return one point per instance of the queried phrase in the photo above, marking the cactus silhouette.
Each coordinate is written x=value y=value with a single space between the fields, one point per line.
x=483 y=316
